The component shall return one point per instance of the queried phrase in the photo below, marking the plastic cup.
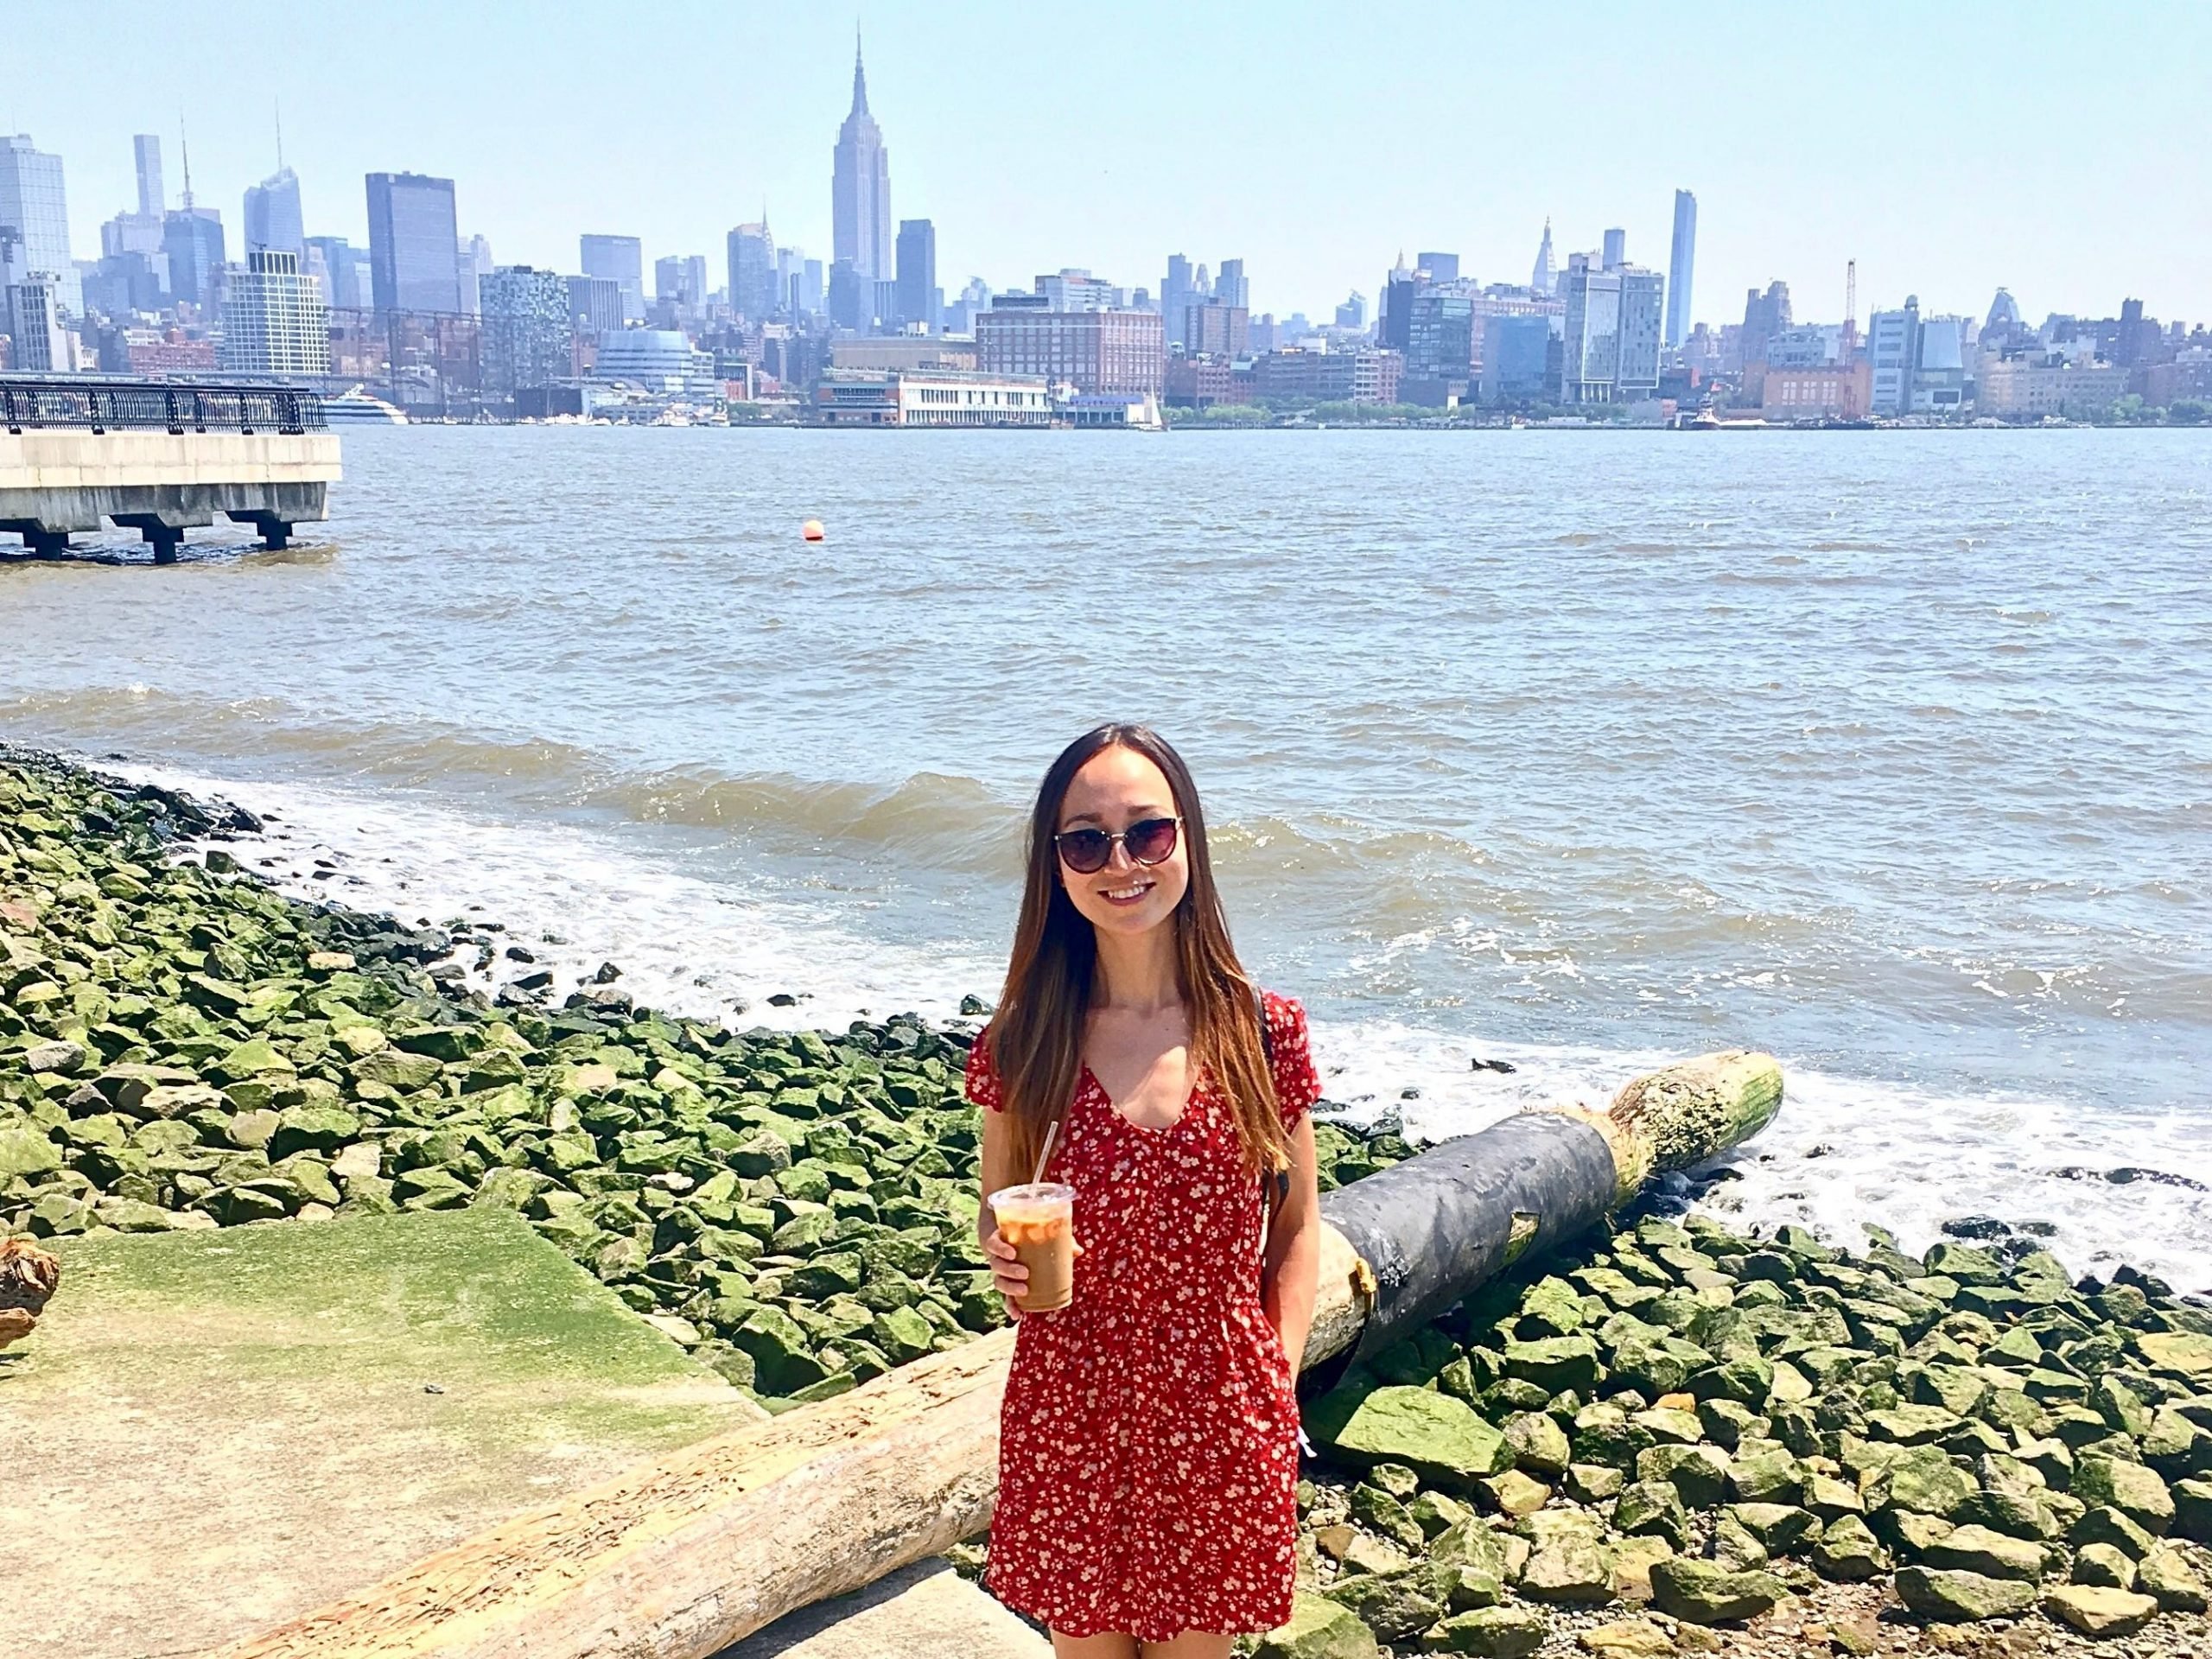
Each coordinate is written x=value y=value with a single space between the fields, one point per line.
x=1037 y=1219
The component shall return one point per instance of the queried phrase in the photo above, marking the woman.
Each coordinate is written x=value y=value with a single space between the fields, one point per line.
x=1148 y=1450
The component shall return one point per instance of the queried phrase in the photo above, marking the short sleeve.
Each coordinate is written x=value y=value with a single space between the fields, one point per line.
x=1297 y=1084
x=983 y=1079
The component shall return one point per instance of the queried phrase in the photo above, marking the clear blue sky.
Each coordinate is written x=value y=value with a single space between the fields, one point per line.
x=2059 y=151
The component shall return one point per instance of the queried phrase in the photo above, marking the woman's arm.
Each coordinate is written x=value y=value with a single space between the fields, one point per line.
x=997 y=1161
x=1294 y=1260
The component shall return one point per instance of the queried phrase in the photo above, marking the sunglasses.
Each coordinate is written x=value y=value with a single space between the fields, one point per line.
x=1149 y=841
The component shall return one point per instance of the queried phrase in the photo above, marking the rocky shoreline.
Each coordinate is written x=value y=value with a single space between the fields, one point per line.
x=1673 y=1429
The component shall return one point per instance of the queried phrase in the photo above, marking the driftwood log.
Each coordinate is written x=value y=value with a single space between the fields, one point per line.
x=686 y=1554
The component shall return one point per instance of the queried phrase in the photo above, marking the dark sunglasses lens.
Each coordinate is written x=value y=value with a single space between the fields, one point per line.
x=1084 y=851
x=1152 y=840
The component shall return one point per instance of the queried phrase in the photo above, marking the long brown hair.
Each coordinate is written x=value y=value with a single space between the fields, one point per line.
x=1036 y=1037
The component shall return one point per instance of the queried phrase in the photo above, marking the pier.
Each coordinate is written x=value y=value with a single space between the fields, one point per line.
x=160 y=458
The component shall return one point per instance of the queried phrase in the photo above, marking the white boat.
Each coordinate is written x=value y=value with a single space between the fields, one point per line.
x=357 y=408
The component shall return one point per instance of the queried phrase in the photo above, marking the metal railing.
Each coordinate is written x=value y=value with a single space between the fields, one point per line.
x=156 y=406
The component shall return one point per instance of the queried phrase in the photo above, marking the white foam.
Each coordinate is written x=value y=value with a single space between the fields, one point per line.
x=1845 y=1151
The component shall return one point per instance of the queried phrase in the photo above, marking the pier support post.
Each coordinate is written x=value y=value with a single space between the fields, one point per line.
x=163 y=541
x=46 y=544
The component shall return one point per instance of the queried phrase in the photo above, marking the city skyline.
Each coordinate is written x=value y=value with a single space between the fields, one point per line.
x=1318 y=208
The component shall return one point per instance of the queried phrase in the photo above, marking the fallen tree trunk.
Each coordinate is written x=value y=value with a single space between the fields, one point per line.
x=684 y=1556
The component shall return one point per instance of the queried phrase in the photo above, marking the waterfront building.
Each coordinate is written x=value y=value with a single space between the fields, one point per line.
x=859 y=187
x=1610 y=336
x=1359 y=376
x=274 y=320
x=527 y=329
x=2029 y=385
x=1545 y=277
x=1918 y=363
x=1230 y=286
x=1680 y=259
x=920 y=299
x=414 y=244
x=30 y=314
x=1202 y=382
x=272 y=214
x=661 y=361
x=1107 y=351
x=343 y=269
x=1217 y=328
x=191 y=241
x=33 y=200
x=620 y=259
x=1440 y=267
x=754 y=294
x=929 y=396
x=595 y=304
x=1520 y=356
x=1830 y=390
x=1440 y=348
x=1116 y=411
x=146 y=157
x=1616 y=250
x=1352 y=313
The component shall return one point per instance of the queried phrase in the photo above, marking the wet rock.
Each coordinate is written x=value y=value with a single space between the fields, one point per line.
x=1503 y=1632
x=1318 y=1629
x=1440 y=1437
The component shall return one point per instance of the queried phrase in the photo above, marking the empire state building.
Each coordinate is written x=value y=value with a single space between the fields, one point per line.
x=860 y=188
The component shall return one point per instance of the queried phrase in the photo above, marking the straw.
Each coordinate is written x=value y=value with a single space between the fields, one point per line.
x=1045 y=1153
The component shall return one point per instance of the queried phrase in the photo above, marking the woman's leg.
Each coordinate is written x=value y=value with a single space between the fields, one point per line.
x=1109 y=1645
x=1192 y=1645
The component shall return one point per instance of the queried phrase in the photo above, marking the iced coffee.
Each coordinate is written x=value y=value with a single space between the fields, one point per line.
x=1039 y=1220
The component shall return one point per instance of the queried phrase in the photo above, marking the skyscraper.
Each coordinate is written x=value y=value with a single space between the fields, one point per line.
x=1440 y=267
x=1616 y=253
x=146 y=151
x=192 y=237
x=414 y=244
x=860 y=188
x=1680 y=259
x=1230 y=286
x=1175 y=292
x=680 y=280
x=274 y=319
x=622 y=259
x=1545 y=278
x=340 y=263
x=918 y=297
x=32 y=200
x=272 y=214
x=754 y=293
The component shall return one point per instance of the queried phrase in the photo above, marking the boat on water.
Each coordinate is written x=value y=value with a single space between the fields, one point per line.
x=357 y=408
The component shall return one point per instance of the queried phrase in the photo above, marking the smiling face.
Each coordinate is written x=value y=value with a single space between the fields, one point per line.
x=1114 y=789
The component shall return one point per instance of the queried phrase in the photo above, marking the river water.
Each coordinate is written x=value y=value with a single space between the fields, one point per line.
x=1889 y=751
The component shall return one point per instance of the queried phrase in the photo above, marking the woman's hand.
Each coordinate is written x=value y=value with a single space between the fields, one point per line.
x=1007 y=1274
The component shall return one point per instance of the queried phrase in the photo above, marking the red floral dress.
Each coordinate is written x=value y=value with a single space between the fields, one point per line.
x=1149 y=1442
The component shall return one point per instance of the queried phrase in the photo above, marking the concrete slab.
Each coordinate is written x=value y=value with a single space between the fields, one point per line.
x=924 y=1611
x=212 y=1432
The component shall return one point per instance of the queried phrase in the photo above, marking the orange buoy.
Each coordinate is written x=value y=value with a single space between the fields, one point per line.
x=811 y=530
